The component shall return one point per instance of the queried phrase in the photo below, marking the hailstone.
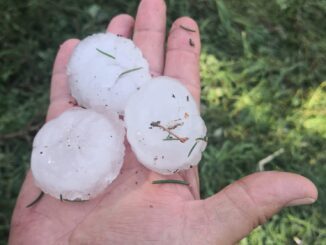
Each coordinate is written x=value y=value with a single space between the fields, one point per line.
x=104 y=70
x=77 y=155
x=164 y=127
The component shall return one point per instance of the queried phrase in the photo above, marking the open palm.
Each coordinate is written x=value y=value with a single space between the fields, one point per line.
x=133 y=210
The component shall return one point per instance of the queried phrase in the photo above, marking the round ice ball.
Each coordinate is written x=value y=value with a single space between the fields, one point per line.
x=104 y=70
x=164 y=126
x=77 y=155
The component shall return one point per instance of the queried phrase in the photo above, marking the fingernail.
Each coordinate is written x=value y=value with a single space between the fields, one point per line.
x=301 y=201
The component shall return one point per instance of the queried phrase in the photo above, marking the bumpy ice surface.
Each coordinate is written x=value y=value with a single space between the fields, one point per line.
x=76 y=155
x=105 y=70
x=163 y=103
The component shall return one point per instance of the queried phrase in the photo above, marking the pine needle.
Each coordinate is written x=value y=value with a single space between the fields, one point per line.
x=108 y=55
x=187 y=28
x=131 y=70
x=170 y=181
x=192 y=148
x=39 y=197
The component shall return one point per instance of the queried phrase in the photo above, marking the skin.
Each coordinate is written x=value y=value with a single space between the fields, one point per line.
x=132 y=210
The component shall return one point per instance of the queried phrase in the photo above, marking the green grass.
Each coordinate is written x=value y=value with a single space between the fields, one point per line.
x=263 y=82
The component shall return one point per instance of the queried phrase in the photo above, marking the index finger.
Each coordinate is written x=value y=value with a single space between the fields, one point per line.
x=60 y=97
x=182 y=57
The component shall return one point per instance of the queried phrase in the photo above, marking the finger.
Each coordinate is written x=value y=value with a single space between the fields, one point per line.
x=182 y=57
x=122 y=24
x=182 y=62
x=236 y=210
x=60 y=97
x=192 y=177
x=149 y=33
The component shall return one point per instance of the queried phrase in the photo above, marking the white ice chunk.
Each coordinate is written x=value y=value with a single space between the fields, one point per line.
x=78 y=154
x=164 y=103
x=105 y=70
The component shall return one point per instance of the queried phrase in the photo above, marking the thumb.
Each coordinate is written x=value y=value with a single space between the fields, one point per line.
x=240 y=207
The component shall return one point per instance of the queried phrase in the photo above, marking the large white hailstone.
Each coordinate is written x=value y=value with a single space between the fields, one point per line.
x=164 y=126
x=77 y=155
x=104 y=70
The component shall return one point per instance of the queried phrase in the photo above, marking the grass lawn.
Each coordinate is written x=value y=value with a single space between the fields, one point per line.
x=263 y=82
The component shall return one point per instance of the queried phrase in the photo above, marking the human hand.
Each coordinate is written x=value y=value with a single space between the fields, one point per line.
x=132 y=210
